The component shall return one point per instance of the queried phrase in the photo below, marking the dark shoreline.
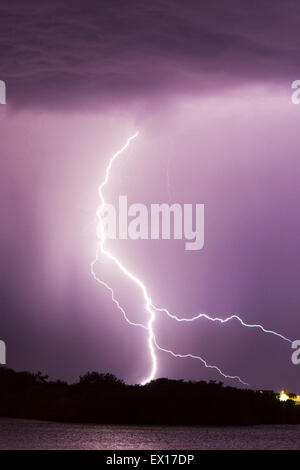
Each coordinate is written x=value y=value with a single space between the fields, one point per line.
x=105 y=400
x=145 y=425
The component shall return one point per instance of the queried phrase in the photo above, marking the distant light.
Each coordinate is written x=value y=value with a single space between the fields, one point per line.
x=283 y=396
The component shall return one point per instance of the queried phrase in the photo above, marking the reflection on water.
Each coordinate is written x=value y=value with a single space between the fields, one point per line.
x=25 y=434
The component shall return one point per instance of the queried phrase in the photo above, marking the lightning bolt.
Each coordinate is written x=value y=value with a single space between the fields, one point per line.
x=221 y=320
x=101 y=249
x=150 y=308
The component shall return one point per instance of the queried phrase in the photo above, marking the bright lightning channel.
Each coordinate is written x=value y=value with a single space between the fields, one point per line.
x=221 y=320
x=149 y=307
x=101 y=249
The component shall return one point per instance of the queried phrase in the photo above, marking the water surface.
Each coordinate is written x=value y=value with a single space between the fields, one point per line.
x=26 y=434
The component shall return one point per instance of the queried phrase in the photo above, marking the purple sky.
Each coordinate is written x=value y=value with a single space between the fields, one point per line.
x=209 y=88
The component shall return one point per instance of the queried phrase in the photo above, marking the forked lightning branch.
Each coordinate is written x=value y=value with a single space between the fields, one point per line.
x=138 y=228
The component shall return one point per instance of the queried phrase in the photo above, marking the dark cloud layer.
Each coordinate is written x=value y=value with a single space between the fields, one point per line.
x=64 y=53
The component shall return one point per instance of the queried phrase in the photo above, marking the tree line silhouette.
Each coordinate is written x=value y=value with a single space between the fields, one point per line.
x=103 y=398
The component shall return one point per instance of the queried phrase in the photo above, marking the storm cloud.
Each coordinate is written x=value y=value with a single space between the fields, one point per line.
x=65 y=54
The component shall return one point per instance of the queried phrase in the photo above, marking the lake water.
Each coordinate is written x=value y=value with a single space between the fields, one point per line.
x=25 y=434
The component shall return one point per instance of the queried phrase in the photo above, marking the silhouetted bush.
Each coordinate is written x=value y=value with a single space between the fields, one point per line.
x=103 y=398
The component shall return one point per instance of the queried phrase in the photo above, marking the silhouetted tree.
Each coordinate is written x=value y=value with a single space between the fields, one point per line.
x=103 y=398
x=94 y=378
